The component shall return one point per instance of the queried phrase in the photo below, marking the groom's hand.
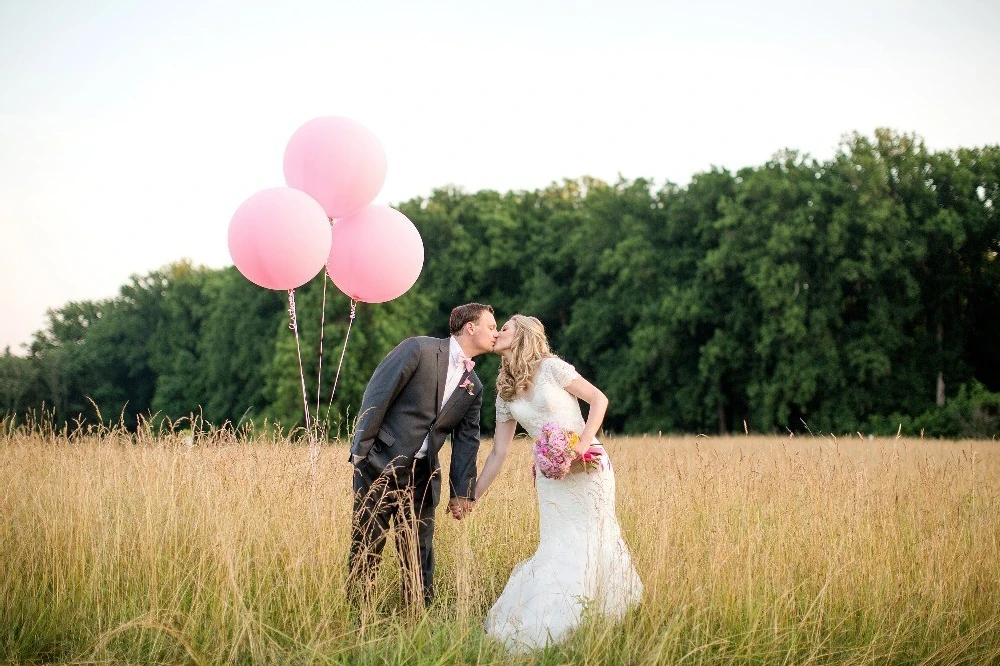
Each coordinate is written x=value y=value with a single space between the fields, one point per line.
x=460 y=507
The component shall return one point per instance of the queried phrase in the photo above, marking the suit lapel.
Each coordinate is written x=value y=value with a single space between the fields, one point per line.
x=442 y=373
x=455 y=394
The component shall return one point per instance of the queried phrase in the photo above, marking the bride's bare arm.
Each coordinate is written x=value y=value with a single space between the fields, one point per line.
x=598 y=402
x=502 y=438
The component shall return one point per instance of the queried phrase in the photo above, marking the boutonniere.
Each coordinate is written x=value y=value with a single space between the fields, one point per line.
x=469 y=387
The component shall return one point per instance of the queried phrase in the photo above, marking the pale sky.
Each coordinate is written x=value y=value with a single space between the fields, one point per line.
x=131 y=131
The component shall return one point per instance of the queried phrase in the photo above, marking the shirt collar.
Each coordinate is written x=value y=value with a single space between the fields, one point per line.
x=454 y=351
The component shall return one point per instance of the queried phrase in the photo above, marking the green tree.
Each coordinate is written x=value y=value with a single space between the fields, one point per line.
x=19 y=389
x=236 y=346
x=173 y=342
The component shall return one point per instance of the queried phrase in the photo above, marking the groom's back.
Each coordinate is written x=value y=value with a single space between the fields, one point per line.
x=412 y=410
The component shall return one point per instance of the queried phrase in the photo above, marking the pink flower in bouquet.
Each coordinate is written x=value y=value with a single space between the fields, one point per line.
x=555 y=450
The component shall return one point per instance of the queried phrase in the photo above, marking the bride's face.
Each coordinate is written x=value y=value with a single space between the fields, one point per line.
x=506 y=338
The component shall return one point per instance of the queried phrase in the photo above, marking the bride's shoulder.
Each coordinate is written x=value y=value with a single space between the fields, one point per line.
x=545 y=364
x=549 y=362
x=562 y=371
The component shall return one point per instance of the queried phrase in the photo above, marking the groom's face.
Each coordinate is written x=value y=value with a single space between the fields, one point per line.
x=484 y=332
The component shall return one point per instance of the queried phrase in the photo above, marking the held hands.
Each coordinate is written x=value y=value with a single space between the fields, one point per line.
x=460 y=507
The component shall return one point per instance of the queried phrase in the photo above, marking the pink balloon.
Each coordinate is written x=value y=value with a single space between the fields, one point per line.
x=279 y=238
x=376 y=254
x=337 y=161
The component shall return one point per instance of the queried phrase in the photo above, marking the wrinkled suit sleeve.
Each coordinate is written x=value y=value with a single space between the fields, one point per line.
x=464 y=450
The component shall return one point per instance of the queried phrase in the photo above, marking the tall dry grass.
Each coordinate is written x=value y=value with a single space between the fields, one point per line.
x=756 y=550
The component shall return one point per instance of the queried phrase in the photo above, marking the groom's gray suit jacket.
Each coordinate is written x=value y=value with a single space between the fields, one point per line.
x=402 y=405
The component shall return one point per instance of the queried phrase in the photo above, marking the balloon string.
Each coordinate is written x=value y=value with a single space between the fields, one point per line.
x=322 y=334
x=350 y=323
x=298 y=350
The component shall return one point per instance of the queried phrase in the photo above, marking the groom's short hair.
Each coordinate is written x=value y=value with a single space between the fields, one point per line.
x=463 y=314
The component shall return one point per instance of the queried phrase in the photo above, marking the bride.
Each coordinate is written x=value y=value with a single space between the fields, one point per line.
x=581 y=562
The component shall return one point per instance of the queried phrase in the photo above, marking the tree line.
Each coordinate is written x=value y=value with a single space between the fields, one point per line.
x=855 y=294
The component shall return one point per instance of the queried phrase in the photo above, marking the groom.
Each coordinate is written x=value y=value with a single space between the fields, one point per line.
x=423 y=390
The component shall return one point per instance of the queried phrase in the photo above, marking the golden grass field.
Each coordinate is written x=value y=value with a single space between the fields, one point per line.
x=118 y=548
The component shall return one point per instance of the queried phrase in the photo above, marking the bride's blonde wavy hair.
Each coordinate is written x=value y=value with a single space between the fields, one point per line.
x=528 y=347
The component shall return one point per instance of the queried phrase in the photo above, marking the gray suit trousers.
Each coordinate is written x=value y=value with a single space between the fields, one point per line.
x=403 y=499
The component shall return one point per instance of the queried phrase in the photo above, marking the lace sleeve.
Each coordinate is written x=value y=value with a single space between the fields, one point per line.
x=503 y=411
x=562 y=372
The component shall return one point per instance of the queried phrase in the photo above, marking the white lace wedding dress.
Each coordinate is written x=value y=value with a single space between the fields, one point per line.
x=582 y=563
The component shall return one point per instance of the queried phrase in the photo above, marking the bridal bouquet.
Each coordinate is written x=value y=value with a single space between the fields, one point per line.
x=555 y=451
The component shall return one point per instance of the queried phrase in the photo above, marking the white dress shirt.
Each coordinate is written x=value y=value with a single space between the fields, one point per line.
x=456 y=368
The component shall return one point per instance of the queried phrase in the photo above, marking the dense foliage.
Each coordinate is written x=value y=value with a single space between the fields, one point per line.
x=858 y=293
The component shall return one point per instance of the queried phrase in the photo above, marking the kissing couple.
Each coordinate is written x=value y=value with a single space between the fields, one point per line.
x=426 y=389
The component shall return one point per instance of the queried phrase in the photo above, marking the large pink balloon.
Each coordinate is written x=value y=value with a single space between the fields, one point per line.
x=279 y=238
x=337 y=161
x=376 y=254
